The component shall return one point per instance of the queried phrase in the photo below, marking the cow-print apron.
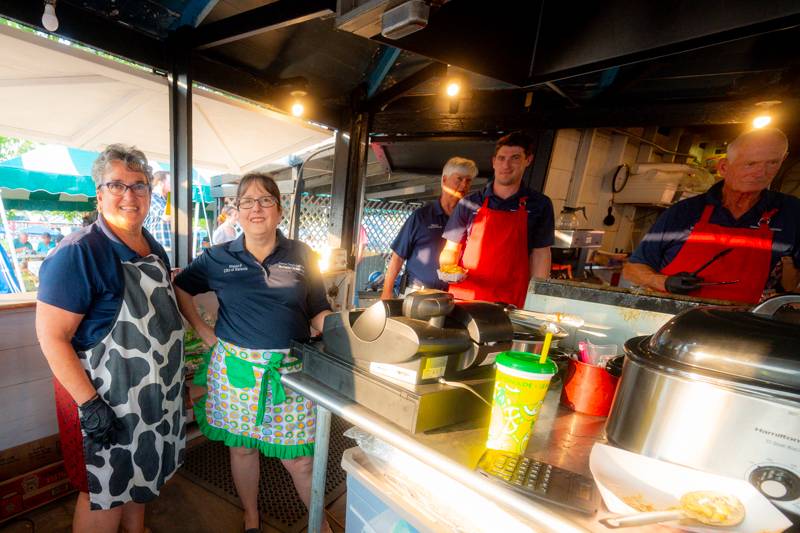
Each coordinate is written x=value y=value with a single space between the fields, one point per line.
x=138 y=370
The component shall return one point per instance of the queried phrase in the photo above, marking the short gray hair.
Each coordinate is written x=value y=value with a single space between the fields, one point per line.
x=460 y=165
x=133 y=158
x=763 y=135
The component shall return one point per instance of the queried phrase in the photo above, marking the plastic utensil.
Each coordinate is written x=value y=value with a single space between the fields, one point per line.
x=707 y=507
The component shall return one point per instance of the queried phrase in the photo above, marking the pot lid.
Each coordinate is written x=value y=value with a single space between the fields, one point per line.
x=750 y=347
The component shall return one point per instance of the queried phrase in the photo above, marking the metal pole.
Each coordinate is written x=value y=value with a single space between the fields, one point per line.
x=316 y=512
x=180 y=125
x=10 y=241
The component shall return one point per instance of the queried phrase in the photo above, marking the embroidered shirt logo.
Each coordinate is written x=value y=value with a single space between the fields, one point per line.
x=435 y=226
x=236 y=267
x=300 y=269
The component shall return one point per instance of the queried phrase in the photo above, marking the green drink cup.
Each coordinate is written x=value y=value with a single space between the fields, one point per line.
x=519 y=390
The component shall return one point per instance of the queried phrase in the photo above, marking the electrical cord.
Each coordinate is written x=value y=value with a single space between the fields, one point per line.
x=464 y=386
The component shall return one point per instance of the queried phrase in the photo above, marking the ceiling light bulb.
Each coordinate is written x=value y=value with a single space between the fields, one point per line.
x=761 y=121
x=297 y=109
x=453 y=88
x=49 y=18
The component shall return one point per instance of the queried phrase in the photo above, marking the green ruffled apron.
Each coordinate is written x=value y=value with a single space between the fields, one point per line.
x=247 y=406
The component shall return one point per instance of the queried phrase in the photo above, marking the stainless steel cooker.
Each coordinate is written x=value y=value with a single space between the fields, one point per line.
x=717 y=389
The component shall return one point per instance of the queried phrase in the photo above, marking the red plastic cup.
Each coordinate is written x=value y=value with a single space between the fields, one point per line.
x=588 y=389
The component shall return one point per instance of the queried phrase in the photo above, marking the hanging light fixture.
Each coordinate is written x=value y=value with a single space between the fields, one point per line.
x=49 y=18
x=453 y=88
x=764 y=117
x=453 y=82
x=298 y=108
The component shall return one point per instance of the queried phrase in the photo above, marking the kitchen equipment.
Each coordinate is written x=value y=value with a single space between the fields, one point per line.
x=726 y=383
x=588 y=389
x=530 y=342
x=415 y=407
x=711 y=283
x=706 y=507
x=568 y=218
x=708 y=263
x=419 y=338
x=540 y=323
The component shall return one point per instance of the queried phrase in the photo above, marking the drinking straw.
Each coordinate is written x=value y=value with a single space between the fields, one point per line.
x=546 y=348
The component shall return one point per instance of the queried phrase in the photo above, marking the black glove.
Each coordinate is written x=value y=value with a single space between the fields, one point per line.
x=682 y=283
x=98 y=422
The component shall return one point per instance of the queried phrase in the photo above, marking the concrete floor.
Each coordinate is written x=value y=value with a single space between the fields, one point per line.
x=182 y=507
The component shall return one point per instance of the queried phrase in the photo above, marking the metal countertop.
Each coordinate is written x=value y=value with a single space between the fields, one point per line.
x=561 y=437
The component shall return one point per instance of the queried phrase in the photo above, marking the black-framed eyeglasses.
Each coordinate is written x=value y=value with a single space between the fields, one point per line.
x=117 y=188
x=249 y=203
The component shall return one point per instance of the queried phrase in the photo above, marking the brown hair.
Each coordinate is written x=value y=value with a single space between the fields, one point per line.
x=266 y=181
x=515 y=138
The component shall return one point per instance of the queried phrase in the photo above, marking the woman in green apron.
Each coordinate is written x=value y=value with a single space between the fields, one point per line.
x=270 y=292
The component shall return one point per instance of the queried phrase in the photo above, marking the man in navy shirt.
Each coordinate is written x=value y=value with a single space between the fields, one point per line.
x=505 y=230
x=419 y=242
x=751 y=234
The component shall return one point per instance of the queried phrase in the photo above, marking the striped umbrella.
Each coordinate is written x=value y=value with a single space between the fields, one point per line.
x=55 y=177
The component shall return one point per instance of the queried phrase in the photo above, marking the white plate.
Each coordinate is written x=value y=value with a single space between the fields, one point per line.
x=620 y=474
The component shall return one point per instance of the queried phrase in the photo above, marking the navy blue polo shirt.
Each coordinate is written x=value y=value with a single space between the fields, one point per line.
x=420 y=243
x=261 y=305
x=541 y=222
x=664 y=240
x=84 y=276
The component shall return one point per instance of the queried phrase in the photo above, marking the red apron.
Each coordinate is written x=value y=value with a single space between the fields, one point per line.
x=496 y=256
x=749 y=261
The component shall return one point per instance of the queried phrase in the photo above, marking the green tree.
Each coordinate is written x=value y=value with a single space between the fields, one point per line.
x=12 y=147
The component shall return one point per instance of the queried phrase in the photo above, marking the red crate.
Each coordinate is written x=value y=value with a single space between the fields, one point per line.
x=28 y=491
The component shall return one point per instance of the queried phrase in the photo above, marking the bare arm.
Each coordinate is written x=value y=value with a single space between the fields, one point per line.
x=189 y=311
x=55 y=328
x=450 y=254
x=540 y=260
x=319 y=320
x=790 y=279
x=395 y=264
x=644 y=276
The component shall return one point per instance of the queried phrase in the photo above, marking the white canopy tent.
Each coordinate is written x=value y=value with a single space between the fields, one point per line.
x=56 y=93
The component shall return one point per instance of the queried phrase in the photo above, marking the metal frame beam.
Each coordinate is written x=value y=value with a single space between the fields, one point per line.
x=272 y=16
x=487 y=115
x=347 y=188
x=403 y=87
x=180 y=129
x=384 y=63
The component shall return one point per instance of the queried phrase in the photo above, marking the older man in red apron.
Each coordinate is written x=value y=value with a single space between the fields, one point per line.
x=505 y=231
x=732 y=242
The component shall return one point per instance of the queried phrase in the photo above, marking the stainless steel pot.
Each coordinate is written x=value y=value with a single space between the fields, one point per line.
x=717 y=390
x=531 y=343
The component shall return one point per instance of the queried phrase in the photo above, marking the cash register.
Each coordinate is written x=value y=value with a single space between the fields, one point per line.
x=410 y=359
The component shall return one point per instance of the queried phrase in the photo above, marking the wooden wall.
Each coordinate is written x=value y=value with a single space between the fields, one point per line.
x=27 y=410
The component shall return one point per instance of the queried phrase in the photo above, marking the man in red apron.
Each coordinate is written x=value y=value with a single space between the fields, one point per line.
x=504 y=230
x=727 y=243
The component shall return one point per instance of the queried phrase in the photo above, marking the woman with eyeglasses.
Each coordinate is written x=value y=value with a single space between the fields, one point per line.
x=270 y=292
x=108 y=324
